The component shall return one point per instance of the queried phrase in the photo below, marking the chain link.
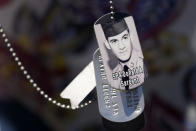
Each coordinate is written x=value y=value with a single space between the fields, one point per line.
x=111 y=9
x=30 y=79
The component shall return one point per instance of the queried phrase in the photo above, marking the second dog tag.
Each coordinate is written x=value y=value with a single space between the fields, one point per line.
x=116 y=105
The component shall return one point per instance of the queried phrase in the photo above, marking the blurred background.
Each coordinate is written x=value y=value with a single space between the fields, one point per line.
x=55 y=41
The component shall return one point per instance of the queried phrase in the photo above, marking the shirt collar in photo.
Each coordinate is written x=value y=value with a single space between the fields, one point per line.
x=132 y=61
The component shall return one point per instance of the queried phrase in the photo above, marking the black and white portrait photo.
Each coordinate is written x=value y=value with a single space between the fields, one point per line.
x=121 y=51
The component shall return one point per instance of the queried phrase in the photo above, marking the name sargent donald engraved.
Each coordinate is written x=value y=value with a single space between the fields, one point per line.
x=108 y=92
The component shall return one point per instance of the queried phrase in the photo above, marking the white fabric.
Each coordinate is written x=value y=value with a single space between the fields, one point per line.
x=80 y=86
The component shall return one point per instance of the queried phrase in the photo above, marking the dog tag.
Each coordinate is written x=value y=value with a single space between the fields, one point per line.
x=116 y=105
x=120 y=48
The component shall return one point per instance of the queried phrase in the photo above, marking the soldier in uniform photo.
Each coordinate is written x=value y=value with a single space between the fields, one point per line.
x=129 y=72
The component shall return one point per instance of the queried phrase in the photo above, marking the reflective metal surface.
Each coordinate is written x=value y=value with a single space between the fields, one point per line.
x=116 y=105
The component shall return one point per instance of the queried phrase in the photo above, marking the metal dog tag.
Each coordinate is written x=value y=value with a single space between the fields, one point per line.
x=120 y=48
x=116 y=105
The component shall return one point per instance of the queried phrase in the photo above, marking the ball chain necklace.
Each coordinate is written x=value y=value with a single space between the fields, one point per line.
x=30 y=79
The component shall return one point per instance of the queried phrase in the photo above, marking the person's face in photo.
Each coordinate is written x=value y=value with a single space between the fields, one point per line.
x=121 y=45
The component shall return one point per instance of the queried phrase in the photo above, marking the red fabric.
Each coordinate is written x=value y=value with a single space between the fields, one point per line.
x=4 y=2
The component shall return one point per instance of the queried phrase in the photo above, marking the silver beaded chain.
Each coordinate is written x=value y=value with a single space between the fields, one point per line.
x=30 y=79
x=111 y=9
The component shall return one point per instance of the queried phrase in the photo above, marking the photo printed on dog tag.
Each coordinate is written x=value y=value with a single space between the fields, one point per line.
x=116 y=105
x=121 y=51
